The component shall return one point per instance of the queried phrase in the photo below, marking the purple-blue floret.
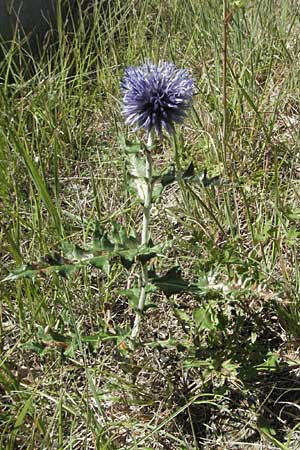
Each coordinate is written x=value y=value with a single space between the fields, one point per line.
x=156 y=96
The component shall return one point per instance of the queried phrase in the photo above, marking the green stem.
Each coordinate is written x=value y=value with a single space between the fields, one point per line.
x=145 y=236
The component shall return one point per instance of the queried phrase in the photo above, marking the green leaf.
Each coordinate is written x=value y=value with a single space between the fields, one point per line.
x=137 y=165
x=270 y=364
x=142 y=253
x=147 y=252
x=137 y=182
x=65 y=270
x=133 y=295
x=99 y=254
x=169 y=343
x=26 y=409
x=121 y=239
x=189 y=173
x=173 y=283
x=166 y=178
x=25 y=271
x=73 y=251
x=292 y=235
x=182 y=315
x=100 y=262
x=206 y=181
x=41 y=268
x=136 y=175
x=130 y=147
x=201 y=178
x=253 y=337
x=33 y=346
x=8 y=379
x=203 y=318
x=101 y=241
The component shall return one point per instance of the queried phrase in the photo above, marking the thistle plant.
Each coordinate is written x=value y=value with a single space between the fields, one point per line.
x=155 y=98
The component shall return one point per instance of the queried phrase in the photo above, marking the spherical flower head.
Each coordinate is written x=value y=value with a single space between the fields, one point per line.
x=156 y=96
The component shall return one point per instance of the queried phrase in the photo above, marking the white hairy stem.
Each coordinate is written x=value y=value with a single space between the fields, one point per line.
x=145 y=235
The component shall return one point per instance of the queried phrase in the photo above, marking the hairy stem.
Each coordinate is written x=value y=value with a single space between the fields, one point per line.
x=145 y=236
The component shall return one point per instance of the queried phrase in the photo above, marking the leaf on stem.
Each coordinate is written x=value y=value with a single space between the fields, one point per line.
x=103 y=249
x=201 y=178
x=173 y=283
x=136 y=175
x=133 y=296
x=167 y=177
x=204 y=319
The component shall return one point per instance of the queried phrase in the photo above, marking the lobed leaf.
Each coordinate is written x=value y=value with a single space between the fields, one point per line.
x=173 y=283
x=99 y=254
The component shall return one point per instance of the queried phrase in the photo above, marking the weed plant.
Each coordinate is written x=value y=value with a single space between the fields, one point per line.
x=216 y=365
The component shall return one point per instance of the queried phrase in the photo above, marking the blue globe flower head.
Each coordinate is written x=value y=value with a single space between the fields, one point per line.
x=156 y=96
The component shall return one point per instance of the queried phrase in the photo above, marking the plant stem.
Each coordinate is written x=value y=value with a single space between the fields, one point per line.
x=148 y=193
x=145 y=235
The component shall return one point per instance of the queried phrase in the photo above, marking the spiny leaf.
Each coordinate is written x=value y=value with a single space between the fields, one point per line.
x=130 y=147
x=25 y=271
x=190 y=176
x=173 y=283
x=141 y=253
x=133 y=295
x=147 y=252
x=73 y=251
x=136 y=175
x=101 y=241
x=136 y=179
x=189 y=172
x=31 y=271
x=121 y=239
x=137 y=165
x=100 y=262
x=166 y=178
x=204 y=319
x=99 y=254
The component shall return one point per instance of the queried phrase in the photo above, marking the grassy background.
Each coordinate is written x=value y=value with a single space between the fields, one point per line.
x=216 y=371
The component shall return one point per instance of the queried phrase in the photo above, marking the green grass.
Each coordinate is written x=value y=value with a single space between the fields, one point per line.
x=216 y=371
